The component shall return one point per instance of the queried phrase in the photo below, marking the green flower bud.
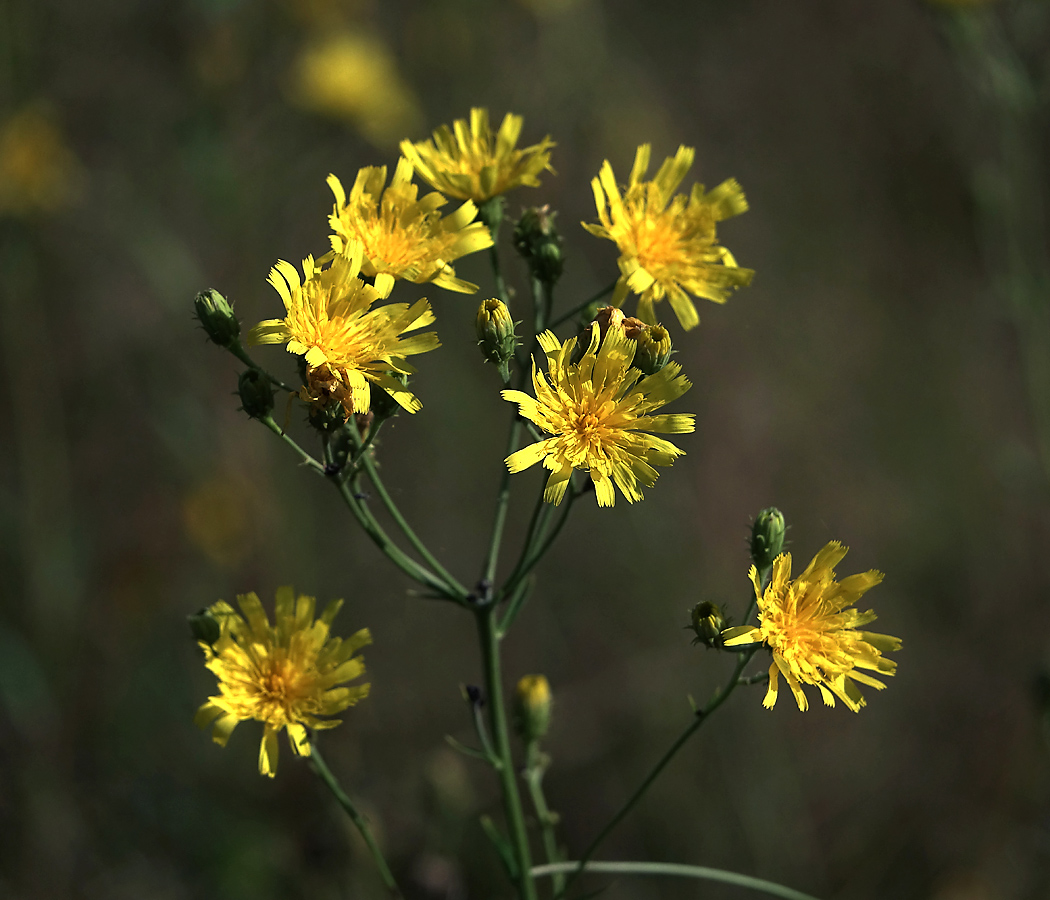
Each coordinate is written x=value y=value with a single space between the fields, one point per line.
x=654 y=349
x=256 y=393
x=205 y=626
x=496 y=338
x=216 y=317
x=532 y=707
x=538 y=241
x=767 y=537
x=707 y=621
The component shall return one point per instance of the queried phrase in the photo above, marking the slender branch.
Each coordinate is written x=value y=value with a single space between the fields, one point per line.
x=452 y=587
x=701 y=717
x=320 y=768
x=283 y=435
x=564 y=317
x=489 y=642
x=237 y=349
x=380 y=538
x=364 y=446
x=677 y=869
x=514 y=605
x=502 y=501
x=536 y=765
x=545 y=543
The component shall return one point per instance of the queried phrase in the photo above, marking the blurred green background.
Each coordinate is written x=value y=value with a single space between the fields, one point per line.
x=883 y=381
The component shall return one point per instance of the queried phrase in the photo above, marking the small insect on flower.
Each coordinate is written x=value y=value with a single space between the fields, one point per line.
x=285 y=675
x=596 y=410
x=813 y=633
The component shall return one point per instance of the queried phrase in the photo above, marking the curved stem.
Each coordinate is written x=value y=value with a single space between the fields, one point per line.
x=320 y=768
x=489 y=642
x=237 y=349
x=701 y=717
x=452 y=587
x=536 y=765
x=676 y=869
x=303 y=455
x=380 y=538
x=564 y=317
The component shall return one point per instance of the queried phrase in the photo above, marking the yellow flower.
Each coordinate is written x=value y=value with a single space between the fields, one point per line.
x=596 y=409
x=668 y=250
x=38 y=172
x=813 y=635
x=472 y=164
x=346 y=344
x=402 y=236
x=351 y=75
x=283 y=675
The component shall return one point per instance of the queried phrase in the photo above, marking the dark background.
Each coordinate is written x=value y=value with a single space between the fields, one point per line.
x=881 y=382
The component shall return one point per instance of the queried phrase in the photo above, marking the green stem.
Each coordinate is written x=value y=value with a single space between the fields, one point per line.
x=534 y=771
x=698 y=720
x=380 y=538
x=317 y=763
x=564 y=317
x=502 y=501
x=514 y=605
x=651 y=868
x=280 y=432
x=545 y=543
x=489 y=642
x=363 y=448
x=237 y=349
x=452 y=588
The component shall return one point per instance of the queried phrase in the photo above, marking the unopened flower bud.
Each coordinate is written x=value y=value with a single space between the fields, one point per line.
x=532 y=707
x=536 y=238
x=767 y=537
x=204 y=626
x=654 y=349
x=496 y=338
x=256 y=393
x=707 y=621
x=216 y=317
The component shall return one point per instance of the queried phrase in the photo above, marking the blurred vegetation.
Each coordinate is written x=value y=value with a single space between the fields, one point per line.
x=883 y=381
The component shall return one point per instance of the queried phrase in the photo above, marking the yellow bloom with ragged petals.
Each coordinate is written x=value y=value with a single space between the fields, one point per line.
x=403 y=236
x=596 y=410
x=813 y=633
x=285 y=675
x=347 y=345
x=469 y=162
x=668 y=245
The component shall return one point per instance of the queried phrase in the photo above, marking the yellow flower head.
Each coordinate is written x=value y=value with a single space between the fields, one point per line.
x=38 y=172
x=347 y=345
x=471 y=163
x=812 y=633
x=402 y=236
x=284 y=675
x=596 y=410
x=668 y=246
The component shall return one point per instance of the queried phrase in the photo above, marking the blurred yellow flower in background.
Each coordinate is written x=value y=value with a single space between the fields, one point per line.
x=811 y=633
x=346 y=344
x=403 y=236
x=352 y=75
x=469 y=162
x=38 y=171
x=285 y=675
x=668 y=250
x=596 y=410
